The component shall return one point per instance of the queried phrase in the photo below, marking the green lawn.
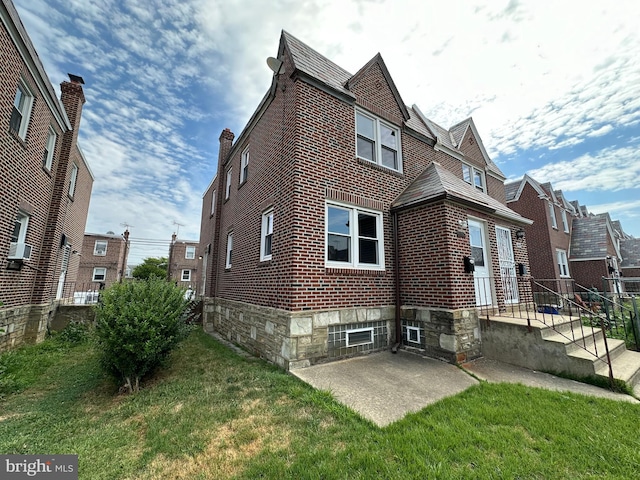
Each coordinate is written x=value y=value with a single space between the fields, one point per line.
x=213 y=414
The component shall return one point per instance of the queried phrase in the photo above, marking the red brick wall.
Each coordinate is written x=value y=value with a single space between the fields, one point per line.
x=112 y=261
x=589 y=273
x=302 y=153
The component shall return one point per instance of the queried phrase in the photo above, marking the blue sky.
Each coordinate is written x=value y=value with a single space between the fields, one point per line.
x=553 y=87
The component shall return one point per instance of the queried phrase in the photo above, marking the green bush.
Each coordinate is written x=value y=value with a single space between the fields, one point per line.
x=137 y=326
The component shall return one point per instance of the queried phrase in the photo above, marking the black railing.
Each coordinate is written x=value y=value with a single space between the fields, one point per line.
x=76 y=293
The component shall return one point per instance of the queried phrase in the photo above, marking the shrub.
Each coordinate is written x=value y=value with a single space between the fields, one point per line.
x=137 y=326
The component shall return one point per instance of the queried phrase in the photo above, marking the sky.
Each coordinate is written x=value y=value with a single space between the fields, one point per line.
x=553 y=88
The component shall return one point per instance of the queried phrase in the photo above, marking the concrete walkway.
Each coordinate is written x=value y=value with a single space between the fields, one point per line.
x=384 y=387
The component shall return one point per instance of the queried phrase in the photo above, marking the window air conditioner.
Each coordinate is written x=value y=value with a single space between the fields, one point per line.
x=19 y=251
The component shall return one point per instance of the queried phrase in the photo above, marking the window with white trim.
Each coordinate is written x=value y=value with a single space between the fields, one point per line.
x=565 y=221
x=552 y=213
x=190 y=252
x=227 y=191
x=49 y=148
x=229 y=250
x=354 y=237
x=213 y=203
x=186 y=275
x=563 y=264
x=244 y=166
x=74 y=178
x=266 y=235
x=21 y=112
x=413 y=334
x=100 y=248
x=473 y=176
x=359 y=336
x=99 y=274
x=19 y=234
x=378 y=141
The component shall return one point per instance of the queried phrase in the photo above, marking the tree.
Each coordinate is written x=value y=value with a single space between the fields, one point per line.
x=137 y=325
x=151 y=267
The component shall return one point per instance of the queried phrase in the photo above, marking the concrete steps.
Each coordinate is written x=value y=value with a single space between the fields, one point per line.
x=561 y=345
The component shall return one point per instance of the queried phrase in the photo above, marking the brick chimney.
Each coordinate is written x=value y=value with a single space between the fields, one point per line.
x=226 y=142
x=73 y=99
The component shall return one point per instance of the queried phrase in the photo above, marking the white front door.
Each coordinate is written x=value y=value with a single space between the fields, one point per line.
x=479 y=254
x=507 y=265
x=63 y=271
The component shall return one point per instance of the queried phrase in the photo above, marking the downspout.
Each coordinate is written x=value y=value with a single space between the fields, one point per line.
x=396 y=268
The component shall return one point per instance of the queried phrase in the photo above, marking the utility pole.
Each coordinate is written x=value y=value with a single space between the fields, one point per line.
x=173 y=241
x=124 y=257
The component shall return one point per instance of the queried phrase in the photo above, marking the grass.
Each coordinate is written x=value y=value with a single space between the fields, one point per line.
x=213 y=414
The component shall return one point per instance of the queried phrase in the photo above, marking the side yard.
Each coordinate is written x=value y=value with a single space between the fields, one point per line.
x=214 y=414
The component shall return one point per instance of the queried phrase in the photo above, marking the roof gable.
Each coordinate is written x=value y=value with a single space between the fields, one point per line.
x=515 y=193
x=590 y=237
x=366 y=70
x=467 y=129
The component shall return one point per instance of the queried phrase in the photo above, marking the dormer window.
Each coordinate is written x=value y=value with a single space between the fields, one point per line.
x=378 y=142
x=473 y=176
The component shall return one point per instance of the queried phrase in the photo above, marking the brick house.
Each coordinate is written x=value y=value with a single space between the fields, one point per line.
x=45 y=186
x=342 y=221
x=630 y=265
x=183 y=262
x=549 y=237
x=102 y=262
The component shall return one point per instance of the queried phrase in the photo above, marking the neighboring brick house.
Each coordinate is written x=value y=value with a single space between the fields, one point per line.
x=342 y=221
x=45 y=186
x=549 y=237
x=630 y=265
x=595 y=252
x=103 y=258
x=183 y=262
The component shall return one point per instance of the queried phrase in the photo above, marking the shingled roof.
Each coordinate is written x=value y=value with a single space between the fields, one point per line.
x=438 y=183
x=589 y=236
x=630 y=251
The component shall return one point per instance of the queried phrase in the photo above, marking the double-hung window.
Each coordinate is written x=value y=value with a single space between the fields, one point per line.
x=74 y=178
x=552 y=213
x=563 y=264
x=47 y=160
x=190 y=253
x=354 y=237
x=21 y=110
x=565 y=221
x=378 y=142
x=227 y=191
x=473 y=176
x=99 y=274
x=213 y=203
x=100 y=248
x=266 y=236
x=229 y=249
x=18 y=249
x=244 y=166
x=186 y=275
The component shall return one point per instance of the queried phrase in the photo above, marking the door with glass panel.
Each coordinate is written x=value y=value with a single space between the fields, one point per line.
x=479 y=253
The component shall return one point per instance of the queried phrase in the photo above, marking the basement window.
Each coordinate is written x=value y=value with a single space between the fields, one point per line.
x=413 y=334
x=359 y=336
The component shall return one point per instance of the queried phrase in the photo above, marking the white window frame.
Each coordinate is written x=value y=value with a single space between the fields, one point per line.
x=474 y=174
x=213 y=203
x=23 y=219
x=377 y=127
x=266 y=230
x=244 y=166
x=354 y=237
x=104 y=275
x=229 y=254
x=552 y=214
x=417 y=332
x=190 y=252
x=227 y=191
x=357 y=330
x=563 y=263
x=185 y=278
x=96 y=250
x=49 y=149
x=23 y=108
x=73 y=180
x=565 y=221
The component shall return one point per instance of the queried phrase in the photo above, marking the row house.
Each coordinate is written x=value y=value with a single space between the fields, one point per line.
x=45 y=186
x=183 y=263
x=342 y=221
x=103 y=263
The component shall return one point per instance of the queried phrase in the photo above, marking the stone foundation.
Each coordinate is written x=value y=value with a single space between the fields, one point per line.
x=24 y=324
x=299 y=339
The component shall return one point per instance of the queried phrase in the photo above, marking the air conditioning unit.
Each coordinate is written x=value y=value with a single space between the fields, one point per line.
x=19 y=251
